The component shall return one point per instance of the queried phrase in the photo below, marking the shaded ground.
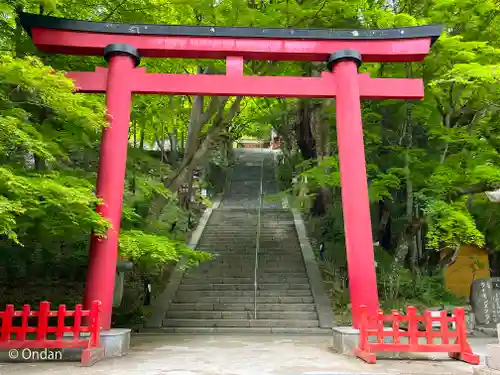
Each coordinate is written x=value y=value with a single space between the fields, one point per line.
x=232 y=355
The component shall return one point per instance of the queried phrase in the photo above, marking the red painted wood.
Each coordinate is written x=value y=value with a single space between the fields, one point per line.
x=61 y=315
x=77 y=320
x=395 y=326
x=103 y=253
x=6 y=316
x=49 y=344
x=234 y=66
x=89 y=43
x=354 y=190
x=459 y=349
x=221 y=85
x=43 y=321
x=23 y=330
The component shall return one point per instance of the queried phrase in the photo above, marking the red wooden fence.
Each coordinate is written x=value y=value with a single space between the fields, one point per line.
x=21 y=336
x=414 y=340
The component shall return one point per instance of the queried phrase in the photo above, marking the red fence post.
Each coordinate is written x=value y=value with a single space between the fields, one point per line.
x=380 y=326
x=77 y=322
x=7 y=323
x=61 y=316
x=43 y=321
x=395 y=326
x=94 y=326
x=23 y=330
x=363 y=350
x=465 y=353
x=411 y=312
x=428 y=327
x=443 y=327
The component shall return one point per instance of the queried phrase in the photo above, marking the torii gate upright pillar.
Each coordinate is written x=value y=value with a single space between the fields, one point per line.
x=103 y=253
x=355 y=204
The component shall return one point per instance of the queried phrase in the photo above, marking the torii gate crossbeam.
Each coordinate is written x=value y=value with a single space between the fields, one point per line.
x=344 y=50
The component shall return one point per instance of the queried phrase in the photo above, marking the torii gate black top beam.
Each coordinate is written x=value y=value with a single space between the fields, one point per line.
x=403 y=44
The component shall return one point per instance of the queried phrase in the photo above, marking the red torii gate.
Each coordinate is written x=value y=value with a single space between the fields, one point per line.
x=343 y=50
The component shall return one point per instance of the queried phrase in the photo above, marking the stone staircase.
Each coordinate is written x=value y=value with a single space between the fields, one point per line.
x=220 y=295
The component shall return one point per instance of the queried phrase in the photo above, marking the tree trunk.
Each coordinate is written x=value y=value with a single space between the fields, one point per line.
x=304 y=137
x=18 y=35
x=191 y=160
x=384 y=226
x=143 y=135
x=134 y=124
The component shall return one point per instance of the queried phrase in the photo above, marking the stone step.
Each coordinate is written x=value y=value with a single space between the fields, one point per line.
x=250 y=237
x=249 y=265
x=245 y=244
x=281 y=275
x=270 y=212
x=250 y=261
x=248 y=244
x=244 y=249
x=245 y=293
x=237 y=330
x=245 y=272
x=297 y=265
x=279 y=307
x=237 y=272
x=273 y=226
x=245 y=280
x=183 y=298
x=250 y=232
x=248 y=314
x=232 y=255
x=266 y=256
x=282 y=234
x=247 y=237
x=224 y=287
x=240 y=323
x=262 y=276
x=249 y=251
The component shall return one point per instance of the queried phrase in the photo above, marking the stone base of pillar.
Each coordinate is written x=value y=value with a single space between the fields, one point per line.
x=345 y=339
x=116 y=342
x=493 y=356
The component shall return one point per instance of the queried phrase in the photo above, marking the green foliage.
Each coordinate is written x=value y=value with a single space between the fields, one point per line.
x=450 y=225
x=59 y=204
x=404 y=289
x=325 y=173
x=41 y=119
x=154 y=250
